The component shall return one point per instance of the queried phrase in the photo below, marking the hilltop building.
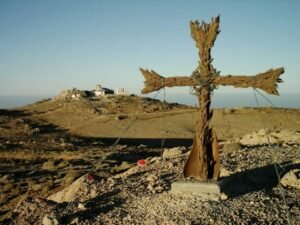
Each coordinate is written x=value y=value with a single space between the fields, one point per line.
x=122 y=91
x=102 y=91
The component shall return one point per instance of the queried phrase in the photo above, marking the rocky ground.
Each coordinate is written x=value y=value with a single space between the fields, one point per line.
x=141 y=194
x=49 y=175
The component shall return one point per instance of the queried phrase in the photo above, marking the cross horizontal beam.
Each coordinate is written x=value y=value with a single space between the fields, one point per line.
x=266 y=81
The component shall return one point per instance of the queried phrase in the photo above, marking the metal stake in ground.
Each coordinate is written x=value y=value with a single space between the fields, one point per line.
x=203 y=162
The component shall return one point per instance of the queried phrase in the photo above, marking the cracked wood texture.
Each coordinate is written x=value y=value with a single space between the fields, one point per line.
x=203 y=162
x=266 y=81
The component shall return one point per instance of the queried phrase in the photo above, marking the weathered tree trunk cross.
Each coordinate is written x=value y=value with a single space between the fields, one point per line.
x=203 y=162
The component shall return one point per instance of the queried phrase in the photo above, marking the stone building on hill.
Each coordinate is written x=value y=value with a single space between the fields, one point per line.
x=122 y=91
x=102 y=91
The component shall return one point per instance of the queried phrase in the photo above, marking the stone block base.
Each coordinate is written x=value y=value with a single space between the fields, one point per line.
x=203 y=188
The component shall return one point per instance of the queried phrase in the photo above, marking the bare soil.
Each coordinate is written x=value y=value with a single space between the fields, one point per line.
x=47 y=145
x=149 y=118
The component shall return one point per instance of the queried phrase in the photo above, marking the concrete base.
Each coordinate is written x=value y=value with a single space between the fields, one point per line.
x=194 y=187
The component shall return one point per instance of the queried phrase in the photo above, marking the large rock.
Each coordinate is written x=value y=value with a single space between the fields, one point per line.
x=84 y=188
x=173 y=152
x=258 y=138
x=291 y=179
x=262 y=137
x=287 y=136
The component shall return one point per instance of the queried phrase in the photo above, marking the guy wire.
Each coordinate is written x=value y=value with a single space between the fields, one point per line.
x=273 y=159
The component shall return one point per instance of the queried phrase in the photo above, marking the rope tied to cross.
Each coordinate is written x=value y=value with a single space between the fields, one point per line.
x=204 y=149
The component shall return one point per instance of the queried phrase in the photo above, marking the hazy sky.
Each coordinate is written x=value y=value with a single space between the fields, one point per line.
x=49 y=45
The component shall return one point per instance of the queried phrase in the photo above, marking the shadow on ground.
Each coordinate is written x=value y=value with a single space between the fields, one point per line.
x=14 y=113
x=48 y=128
x=263 y=178
x=100 y=204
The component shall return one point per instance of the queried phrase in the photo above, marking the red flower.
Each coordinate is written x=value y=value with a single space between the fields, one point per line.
x=141 y=162
x=90 y=177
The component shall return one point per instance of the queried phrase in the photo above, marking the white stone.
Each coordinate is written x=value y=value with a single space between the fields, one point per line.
x=262 y=137
x=81 y=206
x=256 y=139
x=172 y=152
x=152 y=178
x=291 y=179
x=223 y=197
x=71 y=192
x=154 y=159
x=50 y=220
x=127 y=173
x=225 y=173
x=159 y=189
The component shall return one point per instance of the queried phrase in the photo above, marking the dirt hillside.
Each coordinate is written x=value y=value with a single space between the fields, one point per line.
x=58 y=164
x=136 y=117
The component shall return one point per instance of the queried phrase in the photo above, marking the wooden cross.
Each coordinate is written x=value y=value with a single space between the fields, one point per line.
x=203 y=162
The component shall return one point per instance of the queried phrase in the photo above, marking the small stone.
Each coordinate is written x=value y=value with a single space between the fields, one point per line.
x=152 y=178
x=64 y=145
x=128 y=217
x=172 y=152
x=81 y=206
x=36 y=130
x=142 y=146
x=49 y=165
x=154 y=159
x=50 y=220
x=75 y=220
x=170 y=165
x=223 y=197
x=36 y=187
x=225 y=173
x=5 y=178
x=111 y=184
x=159 y=189
x=150 y=187
x=291 y=179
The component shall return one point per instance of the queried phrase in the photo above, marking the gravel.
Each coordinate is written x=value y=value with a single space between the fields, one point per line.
x=140 y=195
